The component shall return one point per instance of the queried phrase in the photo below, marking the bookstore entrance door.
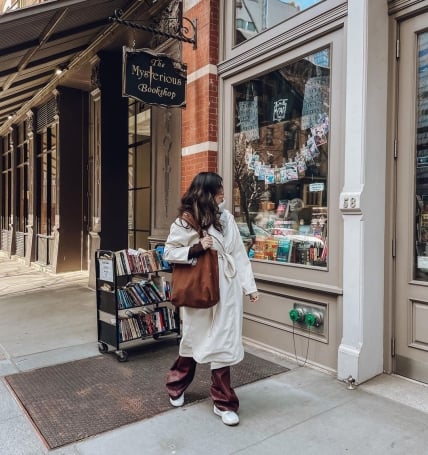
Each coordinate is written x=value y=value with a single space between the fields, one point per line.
x=411 y=259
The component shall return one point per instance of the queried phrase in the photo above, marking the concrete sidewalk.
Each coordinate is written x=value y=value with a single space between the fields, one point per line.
x=47 y=319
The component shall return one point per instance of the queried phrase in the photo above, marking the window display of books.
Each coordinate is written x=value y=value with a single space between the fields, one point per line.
x=281 y=161
x=294 y=249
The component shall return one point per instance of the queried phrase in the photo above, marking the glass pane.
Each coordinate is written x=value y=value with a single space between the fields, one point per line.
x=142 y=209
x=254 y=16
x=131 y=122
x=44 y=196
x=281 y=162
x=19 y=207
x=53 y=195
x=22 y=191
x=8 y=199
x=49 y=138
x=131 y=209
x=139 y=174
x=421 y=224
x=143 y=122
x=131 y=168
x=25 y=197
x=131 y=240
x=139 y=126
x=143 y=165
x=3 y=201
x=52 y=137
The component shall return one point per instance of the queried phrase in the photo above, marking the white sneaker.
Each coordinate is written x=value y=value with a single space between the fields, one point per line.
x=178 y=401
x=228 y=417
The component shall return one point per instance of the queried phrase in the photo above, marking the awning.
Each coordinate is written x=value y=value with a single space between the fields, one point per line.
x=39 y=42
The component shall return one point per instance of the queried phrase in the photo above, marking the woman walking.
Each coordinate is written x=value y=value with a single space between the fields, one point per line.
x=212 y=335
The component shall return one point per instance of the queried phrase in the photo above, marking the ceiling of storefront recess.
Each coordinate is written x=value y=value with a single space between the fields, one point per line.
x=37 y=41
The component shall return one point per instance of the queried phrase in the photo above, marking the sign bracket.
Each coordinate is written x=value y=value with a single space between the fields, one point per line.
x=180 y=34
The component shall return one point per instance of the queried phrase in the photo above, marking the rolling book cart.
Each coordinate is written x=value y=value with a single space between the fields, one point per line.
x=133 y=300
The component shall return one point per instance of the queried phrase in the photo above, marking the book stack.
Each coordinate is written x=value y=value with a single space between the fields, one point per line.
x=128 y=329
x=162 y=286
x=123 y=266
x=259 y=248
x=319 y=221
x=283 y=251
x=270 y=249
x=146 y=322
x=143 y=292
x=131 y=261
x=422 y=231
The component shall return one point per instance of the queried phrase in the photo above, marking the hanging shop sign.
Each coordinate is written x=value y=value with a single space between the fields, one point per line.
x=153 y=79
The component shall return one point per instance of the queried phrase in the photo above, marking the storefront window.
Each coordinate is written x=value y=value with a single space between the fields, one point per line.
x=422 y=161
x=281 y=162
x=254 y=16
x=6 y=187
x=46 y=178
x=139 y=174
x=21 y=178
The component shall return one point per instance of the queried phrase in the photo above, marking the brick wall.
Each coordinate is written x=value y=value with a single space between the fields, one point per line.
x=200 y=117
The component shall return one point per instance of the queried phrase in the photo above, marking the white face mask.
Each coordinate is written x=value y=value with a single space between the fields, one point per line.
x=222 y=205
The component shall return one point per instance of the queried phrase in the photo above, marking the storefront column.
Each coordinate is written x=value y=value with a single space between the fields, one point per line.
x=200 y=117
x=362 y=201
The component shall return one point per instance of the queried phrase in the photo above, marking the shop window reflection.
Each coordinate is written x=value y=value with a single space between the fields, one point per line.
x=254 y=16
x=421 y=219
x=139 y=174
x=5 y=190
x=281 y=162
x=21 y=178
x=46 y=176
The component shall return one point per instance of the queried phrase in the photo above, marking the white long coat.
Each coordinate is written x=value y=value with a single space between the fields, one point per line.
x=214 y=335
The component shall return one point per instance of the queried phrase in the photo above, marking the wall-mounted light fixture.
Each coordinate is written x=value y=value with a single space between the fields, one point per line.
x=60 y=69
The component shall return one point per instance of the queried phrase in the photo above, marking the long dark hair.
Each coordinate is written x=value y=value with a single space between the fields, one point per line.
x=199 y=200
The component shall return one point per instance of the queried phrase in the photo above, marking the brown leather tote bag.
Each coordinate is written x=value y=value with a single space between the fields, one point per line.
x=196 y=285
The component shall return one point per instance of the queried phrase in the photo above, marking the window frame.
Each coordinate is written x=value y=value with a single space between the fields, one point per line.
x=135 y=160
x=22 y=177
x=6 y=168
x=263 y=29
x=299 y=29
x=325 y=279
x=262 y=209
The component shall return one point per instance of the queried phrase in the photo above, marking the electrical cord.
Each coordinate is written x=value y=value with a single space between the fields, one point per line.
x=307 y=347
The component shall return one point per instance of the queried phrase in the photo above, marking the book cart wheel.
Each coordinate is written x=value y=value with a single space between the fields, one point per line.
x=122 y=356
x=102 y=347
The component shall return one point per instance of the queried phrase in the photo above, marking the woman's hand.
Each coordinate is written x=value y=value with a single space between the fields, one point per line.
x=254 y=296
x=207 y=242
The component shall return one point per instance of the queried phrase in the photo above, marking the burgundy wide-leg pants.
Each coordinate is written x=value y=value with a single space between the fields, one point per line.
x=182 y=373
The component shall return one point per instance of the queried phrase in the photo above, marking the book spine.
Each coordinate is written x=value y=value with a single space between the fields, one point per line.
x=155 y=297
x=158 y=288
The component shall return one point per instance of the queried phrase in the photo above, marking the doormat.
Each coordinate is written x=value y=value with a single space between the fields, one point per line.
x=75 y=400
